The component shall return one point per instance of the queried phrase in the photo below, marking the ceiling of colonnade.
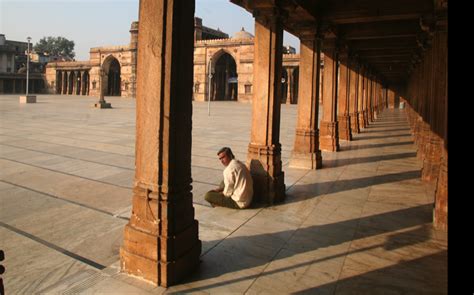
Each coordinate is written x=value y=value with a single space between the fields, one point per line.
x=389 y=37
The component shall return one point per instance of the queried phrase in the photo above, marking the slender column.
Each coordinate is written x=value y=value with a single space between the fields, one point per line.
x=264 y=152
x=88 y=83
x=161 y=239
x=71 y=83
x=306 y=153
x=329 y=133
x=78 y=82
x=66 y=81
x=343 y=118
x=376 y=99
x=289 y=89
x=360 y=96
x=366 y=99
x=353 y=94
x=59 y=81
x=83 y=83
x=370 y=103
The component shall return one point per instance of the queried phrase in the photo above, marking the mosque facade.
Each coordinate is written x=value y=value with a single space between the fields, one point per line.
x=223 y=69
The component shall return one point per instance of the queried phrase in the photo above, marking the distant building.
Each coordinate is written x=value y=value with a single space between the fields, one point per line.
x=13 y=68
x=230 y=60
x=289 y=50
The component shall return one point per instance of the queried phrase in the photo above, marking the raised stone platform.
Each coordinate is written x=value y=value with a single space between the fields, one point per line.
x=103 y=105
x=28 y=99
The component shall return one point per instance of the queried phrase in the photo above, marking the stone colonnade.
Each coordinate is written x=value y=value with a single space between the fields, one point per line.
x=161 y=242
x=427 y=104
x=72 y=82
x=17 y=84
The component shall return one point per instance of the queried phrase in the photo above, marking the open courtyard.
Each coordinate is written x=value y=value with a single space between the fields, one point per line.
x=360 y=225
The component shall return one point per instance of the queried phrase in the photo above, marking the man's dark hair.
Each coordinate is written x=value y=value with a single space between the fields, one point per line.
x=227 y=151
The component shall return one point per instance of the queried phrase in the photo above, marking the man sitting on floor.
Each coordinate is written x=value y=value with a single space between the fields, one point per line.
x=236 y=190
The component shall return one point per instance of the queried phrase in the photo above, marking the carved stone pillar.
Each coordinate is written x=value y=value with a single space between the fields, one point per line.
x=306 y=153
x=353 y=96
x=423 y=139
x=329 y=133
x=432 y=158
x=377 y=99
x=366 y=100
x=161 y=241
x=440 y=213
x=360 y=96
x=343 y=118
x=264 y=151
x=370 y=100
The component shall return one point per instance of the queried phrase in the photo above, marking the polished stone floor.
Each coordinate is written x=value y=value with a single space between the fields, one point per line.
x=360 y=225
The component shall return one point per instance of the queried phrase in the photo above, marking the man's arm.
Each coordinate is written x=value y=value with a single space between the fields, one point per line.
x=229 y=181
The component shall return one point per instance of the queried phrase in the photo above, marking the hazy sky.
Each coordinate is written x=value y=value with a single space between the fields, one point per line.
x=95 y=23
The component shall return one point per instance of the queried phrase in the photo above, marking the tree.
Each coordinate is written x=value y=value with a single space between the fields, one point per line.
x=59 y=46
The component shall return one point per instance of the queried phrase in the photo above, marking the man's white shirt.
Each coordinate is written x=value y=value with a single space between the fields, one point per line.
x=238 y=183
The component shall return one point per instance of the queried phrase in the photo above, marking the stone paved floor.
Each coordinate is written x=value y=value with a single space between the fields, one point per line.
x=361 y=225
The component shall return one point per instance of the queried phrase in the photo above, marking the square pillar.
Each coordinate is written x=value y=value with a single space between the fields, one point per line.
x=370 y=101
x=343 y=118
x=353 y=95
x=306 y=153
x=440 y=210
x=264 y=151
x=161 y=241
x=329 y=131
x=361 y=96
x=365 y=98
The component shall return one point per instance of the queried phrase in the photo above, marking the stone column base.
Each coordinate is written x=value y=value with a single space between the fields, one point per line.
x=355 y=123
x=440 y=211
x=102 y=105
x=28 y=99
x=141 y=256
x=306 y=160
x=361 y=120
x=344 y=123
x=371 y=114
x=432 y=159
x=366 y=118
x=424 y=138
x=329 y=137
x=264 y=163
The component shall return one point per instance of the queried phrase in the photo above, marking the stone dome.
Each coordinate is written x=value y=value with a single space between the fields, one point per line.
x=242 y=34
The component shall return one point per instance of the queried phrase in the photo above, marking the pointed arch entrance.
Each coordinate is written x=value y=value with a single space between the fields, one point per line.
x=112 y=77
x=224 y=80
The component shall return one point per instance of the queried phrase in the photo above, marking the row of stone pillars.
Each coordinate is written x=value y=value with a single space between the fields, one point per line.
x=427 y=98
x=35 y=85
x=72 y=82
x=352 y=98
x=161 y=241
